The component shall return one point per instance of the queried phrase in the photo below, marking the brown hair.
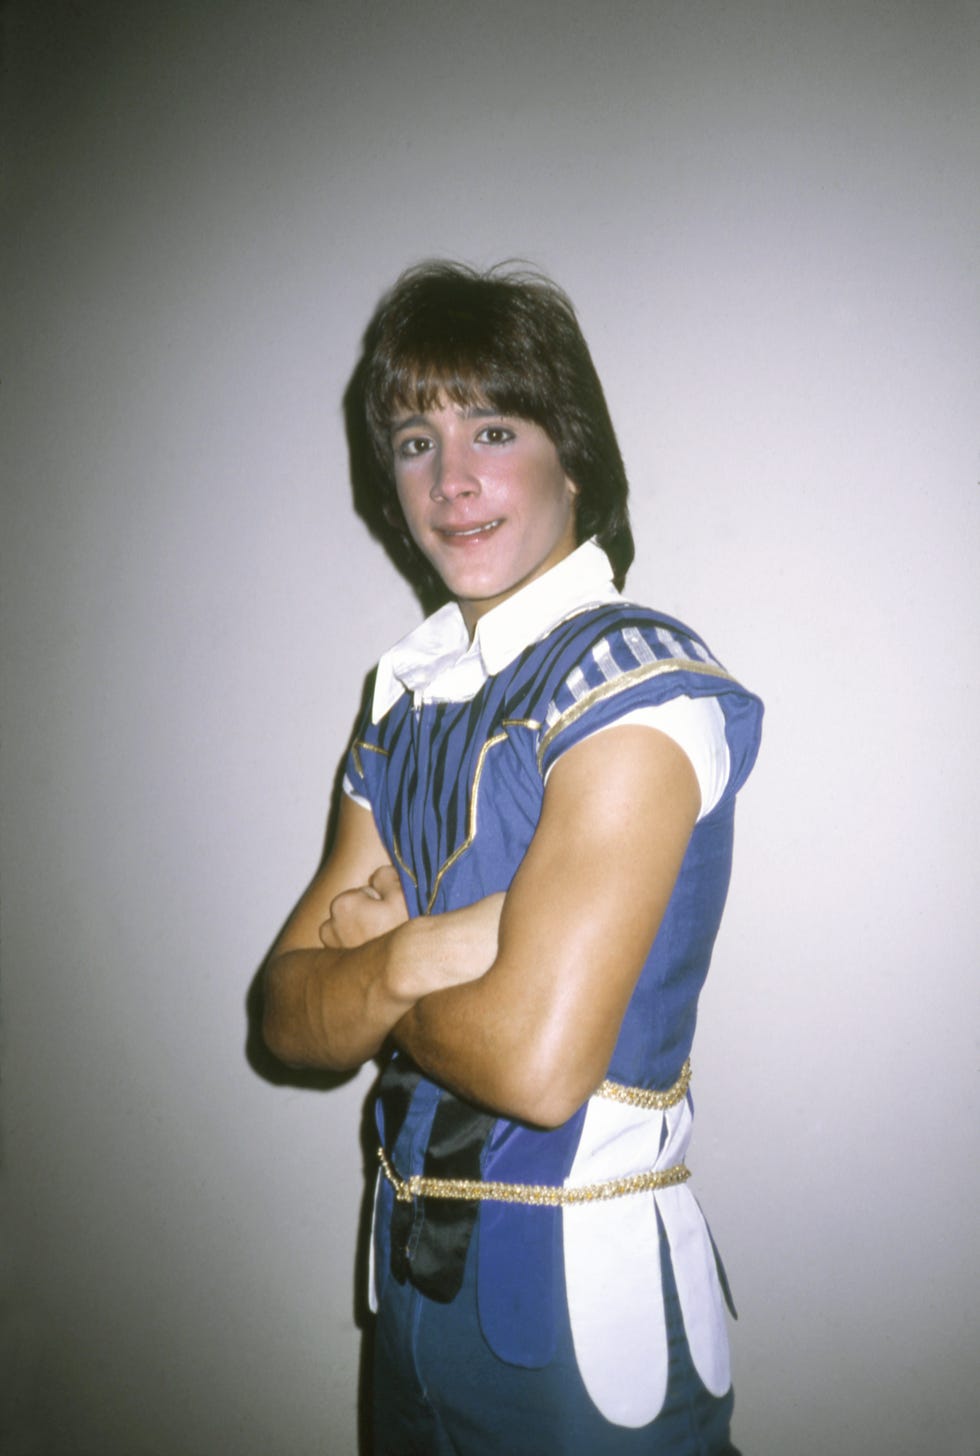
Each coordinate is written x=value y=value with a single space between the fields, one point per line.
x=510 y=340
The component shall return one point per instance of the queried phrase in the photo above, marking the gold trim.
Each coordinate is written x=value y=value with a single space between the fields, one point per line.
x=401 y=863
x=545 y=1195
x=650 y=1100
x=474 y=796
x=549 y=1195
x=629 y=679
x=357 y=745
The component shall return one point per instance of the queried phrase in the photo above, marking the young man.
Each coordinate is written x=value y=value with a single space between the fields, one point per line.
x=529 y=870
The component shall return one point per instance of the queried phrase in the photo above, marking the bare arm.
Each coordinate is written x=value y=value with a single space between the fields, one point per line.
x=350 y=963
x=533 y=1037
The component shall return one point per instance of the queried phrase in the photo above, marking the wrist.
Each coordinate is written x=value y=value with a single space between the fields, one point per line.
x=403 y=960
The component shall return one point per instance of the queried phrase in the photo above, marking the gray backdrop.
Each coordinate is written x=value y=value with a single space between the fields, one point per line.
x=767 y=214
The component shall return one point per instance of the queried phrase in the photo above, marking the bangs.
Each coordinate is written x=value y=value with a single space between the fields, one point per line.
x=420 y=383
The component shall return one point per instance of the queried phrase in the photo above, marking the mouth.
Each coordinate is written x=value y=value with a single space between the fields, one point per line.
x=466 y=533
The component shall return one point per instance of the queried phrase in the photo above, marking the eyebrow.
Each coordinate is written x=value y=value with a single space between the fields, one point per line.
x=470 y=412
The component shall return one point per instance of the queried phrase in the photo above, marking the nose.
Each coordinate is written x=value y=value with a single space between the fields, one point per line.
x=454 y=475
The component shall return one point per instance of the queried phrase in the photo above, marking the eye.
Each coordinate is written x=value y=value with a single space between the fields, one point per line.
x=495 y=435
x=413 y=446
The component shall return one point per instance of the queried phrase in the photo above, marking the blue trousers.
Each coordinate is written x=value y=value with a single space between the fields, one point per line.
x=440 y=1391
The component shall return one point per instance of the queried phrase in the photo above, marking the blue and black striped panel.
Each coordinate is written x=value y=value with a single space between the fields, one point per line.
x=456 y=788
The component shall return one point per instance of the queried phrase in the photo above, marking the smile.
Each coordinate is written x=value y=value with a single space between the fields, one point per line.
x=454 y=535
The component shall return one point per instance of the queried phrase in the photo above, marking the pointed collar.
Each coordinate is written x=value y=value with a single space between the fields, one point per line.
x=437 y=661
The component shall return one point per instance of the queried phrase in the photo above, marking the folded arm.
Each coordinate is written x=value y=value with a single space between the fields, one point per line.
x=514 y=1002
x=533 y=1037
x=350 y=963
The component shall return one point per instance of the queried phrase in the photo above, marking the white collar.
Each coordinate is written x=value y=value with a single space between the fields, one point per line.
x=438 y=661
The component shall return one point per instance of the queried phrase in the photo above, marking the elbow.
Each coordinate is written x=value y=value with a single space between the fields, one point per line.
x=549 y=1108
x=294 y=1027
x=539 y=1070
x=547 y=1093
x=282 y=1029
x=547 y=1114
x=289 y=1045
x=277 y=1040
x=277 y=1032
x=557 y=1068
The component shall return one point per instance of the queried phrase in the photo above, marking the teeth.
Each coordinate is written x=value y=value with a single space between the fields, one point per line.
x=475 y=530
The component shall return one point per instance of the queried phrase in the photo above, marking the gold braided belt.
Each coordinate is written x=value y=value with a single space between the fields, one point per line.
x=549 y=1195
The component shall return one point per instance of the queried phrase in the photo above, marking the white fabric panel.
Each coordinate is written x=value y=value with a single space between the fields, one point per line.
x=615 y=1304
x=373 y=1293
x=612 y=1261
x=698 y=1286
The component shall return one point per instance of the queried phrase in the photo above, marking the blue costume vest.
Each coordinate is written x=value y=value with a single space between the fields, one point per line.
x=456 y=789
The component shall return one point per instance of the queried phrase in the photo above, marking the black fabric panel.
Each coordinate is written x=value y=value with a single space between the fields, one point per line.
x=430 y=1236
x=459 y=1132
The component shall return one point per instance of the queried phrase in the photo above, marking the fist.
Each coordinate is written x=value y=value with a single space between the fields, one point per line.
x=364 y=913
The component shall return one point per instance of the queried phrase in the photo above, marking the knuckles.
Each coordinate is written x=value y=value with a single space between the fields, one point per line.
x=385 y=881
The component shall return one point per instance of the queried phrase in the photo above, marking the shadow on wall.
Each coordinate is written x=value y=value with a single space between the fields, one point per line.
x=257 y=1054
x=270 y=1069
x=277 y=1073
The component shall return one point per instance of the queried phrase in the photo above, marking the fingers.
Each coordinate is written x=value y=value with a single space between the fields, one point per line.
x=366 y=911
x=385 y=881
x=329 y=937
x=349 y=902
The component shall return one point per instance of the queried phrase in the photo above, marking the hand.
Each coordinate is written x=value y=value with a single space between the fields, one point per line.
x=448 y=949
x=364 y=913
